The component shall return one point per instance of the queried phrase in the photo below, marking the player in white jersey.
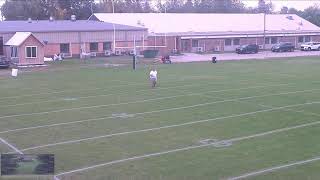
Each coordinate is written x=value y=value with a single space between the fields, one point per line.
x=153 y=77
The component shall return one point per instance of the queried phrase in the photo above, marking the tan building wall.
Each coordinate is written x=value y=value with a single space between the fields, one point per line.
x=31 y=41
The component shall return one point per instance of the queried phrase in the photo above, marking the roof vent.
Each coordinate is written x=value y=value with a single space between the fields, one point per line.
x=290 y=17
x=29 y=20
x=51 y=19
x=73 y=18
x=300 y=23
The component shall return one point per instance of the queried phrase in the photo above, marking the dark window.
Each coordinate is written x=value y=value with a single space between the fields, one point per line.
x=1 y=46
x=236 y=41
x=31 y=52
x=195 y=43
x=107 y=46
x=14 y=51
x=274 y=40
x=227 y=42
x=267 y=40
x=64 y=48
x=94 y=47
x=300 y=39
x=307 y=39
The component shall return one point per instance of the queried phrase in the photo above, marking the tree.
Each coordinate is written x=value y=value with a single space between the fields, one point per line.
x=43 y=9
x=312 y=14
x=263 y=7
x=284 y=10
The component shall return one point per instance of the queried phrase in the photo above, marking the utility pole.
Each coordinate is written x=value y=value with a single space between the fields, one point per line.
x=264 y=30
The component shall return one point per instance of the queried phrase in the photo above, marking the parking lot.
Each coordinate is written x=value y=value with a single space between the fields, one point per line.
x=193 y=57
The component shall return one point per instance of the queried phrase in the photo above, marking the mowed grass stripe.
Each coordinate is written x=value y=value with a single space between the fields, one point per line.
x=106 y=105
x=189 y=148
x=219 y=163
x=77 y=98
x=113 y=148
x=303 y=170
x=157 y=111
x=276 y=168
x=164 y=127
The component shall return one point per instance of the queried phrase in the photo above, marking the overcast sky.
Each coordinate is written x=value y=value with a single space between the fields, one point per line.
x=298 y=4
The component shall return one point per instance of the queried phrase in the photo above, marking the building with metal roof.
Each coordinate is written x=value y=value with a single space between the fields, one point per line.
x=191 y=32
x=72 y=38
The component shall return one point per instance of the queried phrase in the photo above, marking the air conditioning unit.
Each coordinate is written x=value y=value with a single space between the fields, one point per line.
x=118 y=53
x=107 y=53
x=260 y=46
x=199 y=49
x=174 y=51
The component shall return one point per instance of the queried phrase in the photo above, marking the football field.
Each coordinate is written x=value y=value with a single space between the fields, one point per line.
x=231 y=120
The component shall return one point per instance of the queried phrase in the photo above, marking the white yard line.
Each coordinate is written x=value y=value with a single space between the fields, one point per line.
x=80 y=90
x=112 y=94
x=156 y=111
x=188 y=148
x=106 y=105
x=164 y=127
x=92 y=89
x=275 y=168
x=11 y=146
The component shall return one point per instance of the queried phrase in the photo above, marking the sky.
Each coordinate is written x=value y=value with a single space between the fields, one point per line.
x=298 y=4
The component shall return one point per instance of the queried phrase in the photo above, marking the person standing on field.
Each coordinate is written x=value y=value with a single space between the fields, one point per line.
x=153 y=77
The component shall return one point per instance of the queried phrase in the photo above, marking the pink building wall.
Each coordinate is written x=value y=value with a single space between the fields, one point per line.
x=31 y=41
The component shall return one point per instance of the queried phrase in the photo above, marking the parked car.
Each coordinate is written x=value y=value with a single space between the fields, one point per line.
x=4 y=63
x=283 y=47
x=246 y=49
x=310 y=46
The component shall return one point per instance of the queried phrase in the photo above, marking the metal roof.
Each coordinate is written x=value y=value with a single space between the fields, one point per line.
x=18 y=38
x=61 y=26
x=193 y=23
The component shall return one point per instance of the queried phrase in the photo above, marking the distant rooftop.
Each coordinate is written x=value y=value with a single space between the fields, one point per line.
x=61 y=26
x=191 y=23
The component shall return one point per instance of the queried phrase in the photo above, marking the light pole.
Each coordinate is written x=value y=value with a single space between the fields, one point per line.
x=114 y=29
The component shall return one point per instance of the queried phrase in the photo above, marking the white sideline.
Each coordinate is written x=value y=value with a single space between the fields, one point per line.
x=105 y=95
x=275 y=168
x=11 y=146
x=106 y=105
x=188 y=148
x=165 y=127
x=156 y=111
x=20 y=152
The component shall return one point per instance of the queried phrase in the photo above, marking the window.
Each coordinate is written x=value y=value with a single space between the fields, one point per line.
x=307 y=39
x=227 y=42
x=107 y=46
x=31 y=52
x=236 y=41
x=274 y=40
x=300 y=39
x=64 y=48
x=93 y=47
x=267 y=40
x=14 y=51
x=195 y=43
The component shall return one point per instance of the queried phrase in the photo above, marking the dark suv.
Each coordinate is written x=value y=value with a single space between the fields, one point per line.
x=249 y=48
x=283 y=47
x=4 y=63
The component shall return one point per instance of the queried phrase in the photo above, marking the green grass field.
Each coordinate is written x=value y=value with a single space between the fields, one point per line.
x=107 y=123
